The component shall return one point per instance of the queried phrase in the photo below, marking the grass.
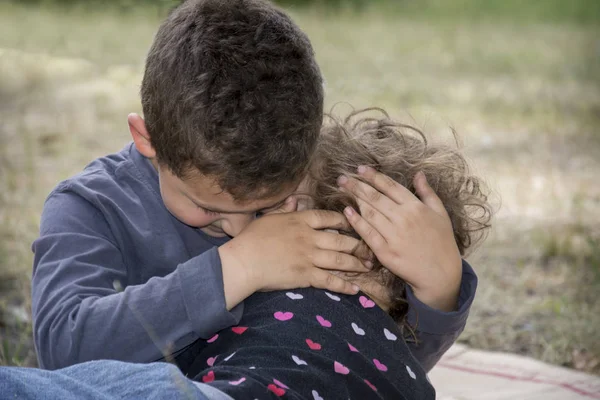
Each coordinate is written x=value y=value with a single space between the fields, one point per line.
x=523 y=94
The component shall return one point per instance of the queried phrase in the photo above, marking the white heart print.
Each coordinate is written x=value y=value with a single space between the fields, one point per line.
x=229 y=357
x=358 y=330
x=332 y=296
x=410 y=372
x=294 y=296
x=389 y=335
x=298 y=360
x=316 y=395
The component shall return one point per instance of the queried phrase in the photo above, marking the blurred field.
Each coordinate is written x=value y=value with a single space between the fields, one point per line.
x=522 y=93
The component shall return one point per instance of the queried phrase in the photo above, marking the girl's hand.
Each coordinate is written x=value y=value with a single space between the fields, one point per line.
x=411 y=236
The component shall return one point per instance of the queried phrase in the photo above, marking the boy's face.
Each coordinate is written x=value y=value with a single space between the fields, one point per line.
x=200 y=203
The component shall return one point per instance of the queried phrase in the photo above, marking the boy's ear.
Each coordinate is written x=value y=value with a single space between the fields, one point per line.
x=140 y=135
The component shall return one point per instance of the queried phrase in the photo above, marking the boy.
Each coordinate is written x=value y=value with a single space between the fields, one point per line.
x=233 y=103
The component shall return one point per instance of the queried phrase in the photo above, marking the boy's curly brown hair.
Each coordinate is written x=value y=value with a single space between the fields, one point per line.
x=232 y=90
x=399 y=151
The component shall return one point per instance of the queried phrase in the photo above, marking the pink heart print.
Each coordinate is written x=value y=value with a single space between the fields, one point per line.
x=275 y=381
x=212 y=339
x=380 y=366
x=371 y=385
x=340 y=369
x=313 y=345
x=239 y=329
x=352 y=348
x=323 y=322
x=283 y=316
x=277 y=390
x=235 y=383
x=211 y=361
x=208 y=377
x=365 y=302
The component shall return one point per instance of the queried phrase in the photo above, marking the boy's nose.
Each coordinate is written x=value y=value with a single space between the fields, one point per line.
x=237 y=223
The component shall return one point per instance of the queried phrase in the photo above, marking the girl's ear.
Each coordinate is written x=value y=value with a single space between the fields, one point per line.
x=140 y=135
x=290 y=205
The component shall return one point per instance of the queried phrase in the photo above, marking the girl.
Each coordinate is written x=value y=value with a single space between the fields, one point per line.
x=312 y=344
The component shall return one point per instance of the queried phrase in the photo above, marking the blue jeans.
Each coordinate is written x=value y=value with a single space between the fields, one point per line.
x=103 y=380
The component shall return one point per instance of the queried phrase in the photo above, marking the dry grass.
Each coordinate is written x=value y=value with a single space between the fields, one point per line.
x=524 y=98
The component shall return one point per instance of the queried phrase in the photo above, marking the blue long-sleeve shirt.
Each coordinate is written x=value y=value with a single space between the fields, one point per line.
x=116 y=276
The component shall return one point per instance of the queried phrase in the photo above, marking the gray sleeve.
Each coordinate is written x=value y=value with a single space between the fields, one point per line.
x=78 y=313
x=437 y=330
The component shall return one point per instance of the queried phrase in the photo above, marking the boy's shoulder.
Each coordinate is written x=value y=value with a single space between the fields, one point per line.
x=109 y=177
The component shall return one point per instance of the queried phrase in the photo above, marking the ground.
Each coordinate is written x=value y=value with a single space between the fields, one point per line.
x=523 y=96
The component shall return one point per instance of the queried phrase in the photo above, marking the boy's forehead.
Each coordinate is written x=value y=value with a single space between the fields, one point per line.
x=206 y=192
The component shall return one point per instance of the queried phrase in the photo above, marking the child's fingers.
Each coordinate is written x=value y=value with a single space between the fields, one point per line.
x=367 y=232
x=386 y=185
x=427 y=194
x=367 y=193
x=321 y=219
x=344 y=243
x=376 y=218
x=324 y=280
x=337 y=261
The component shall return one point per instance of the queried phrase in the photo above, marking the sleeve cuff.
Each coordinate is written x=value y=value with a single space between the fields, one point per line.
x=201 y=281
x=436 y=322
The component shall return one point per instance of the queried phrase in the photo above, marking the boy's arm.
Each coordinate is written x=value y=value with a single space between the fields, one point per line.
x=79 y=313
x=436 y=330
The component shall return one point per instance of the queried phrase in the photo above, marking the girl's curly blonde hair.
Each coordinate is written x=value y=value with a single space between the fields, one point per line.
x=399 y=151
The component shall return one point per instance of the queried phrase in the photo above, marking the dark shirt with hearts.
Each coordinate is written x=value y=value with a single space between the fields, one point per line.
x=311 y=344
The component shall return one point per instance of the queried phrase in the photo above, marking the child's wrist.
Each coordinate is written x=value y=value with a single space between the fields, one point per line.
x=443 y=298
x=445 y=303
x=238 y=281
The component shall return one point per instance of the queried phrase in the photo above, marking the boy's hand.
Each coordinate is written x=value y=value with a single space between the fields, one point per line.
x=290 y=250
x=412 y=238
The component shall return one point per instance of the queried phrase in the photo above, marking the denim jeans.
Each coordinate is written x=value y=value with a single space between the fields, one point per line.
x=104 y=380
